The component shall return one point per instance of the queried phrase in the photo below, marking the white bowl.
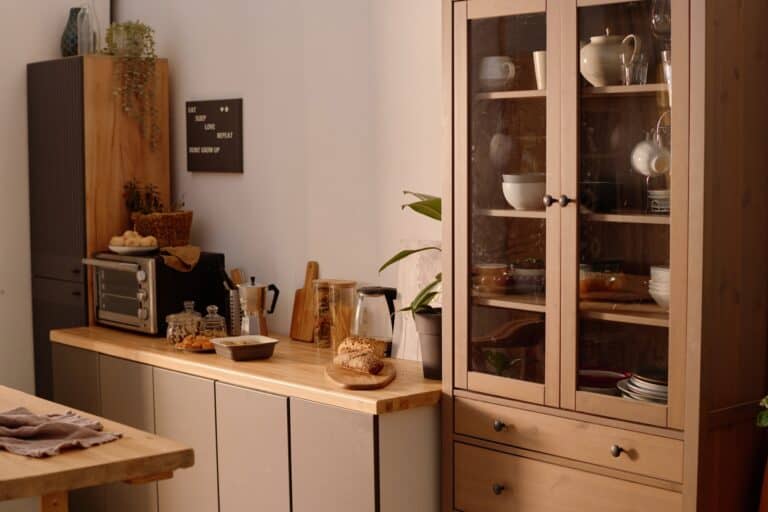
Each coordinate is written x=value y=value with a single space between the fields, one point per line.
x=660 y=273
x=661 y=298
x=524 y=196
x=529 y=177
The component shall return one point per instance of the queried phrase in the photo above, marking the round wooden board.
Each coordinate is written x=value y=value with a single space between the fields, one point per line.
x=350 y=379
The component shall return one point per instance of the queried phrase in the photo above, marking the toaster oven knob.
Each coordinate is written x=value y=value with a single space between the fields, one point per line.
x=143 y=313
x=141 y=295
x=141 y=276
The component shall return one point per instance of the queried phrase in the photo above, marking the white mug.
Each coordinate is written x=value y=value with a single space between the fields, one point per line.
x=649 y=159
x=496 y=72
x=540 y=69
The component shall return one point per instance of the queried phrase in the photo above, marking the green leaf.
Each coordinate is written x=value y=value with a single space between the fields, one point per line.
x=431 y=208
x=419 y=195
x=762 y=419
x=425 y=296
x=404 y=254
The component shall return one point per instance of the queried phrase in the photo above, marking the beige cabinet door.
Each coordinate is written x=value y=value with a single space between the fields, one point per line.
x=185 y=412
x=76 y=385
x=252 y=432
x=127 y=396
x=332 y=458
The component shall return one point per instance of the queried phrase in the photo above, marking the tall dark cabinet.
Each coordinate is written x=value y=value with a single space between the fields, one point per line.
x=82 y=149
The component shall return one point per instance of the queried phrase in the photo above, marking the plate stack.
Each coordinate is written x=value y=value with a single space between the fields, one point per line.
x=658 y=286
x=644 y=389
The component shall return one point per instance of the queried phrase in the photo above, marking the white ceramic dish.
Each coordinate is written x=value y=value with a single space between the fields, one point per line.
x=530 y=177
x=524 y=196
x=629 y=392
x=131 y=251
x=245 y=348
x=661 y=298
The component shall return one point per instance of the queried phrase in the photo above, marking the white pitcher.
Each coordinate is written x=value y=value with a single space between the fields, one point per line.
x=600 y=61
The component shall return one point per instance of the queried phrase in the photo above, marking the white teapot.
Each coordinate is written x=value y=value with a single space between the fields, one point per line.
x=600 y=61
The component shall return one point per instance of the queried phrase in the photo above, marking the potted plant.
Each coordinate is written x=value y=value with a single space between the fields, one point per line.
x=428 y=319
x=762 y=422
x=172 y=229
x=133 y=44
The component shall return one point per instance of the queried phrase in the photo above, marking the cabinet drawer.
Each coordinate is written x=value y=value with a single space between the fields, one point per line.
x=644 y=454
x=489 y=481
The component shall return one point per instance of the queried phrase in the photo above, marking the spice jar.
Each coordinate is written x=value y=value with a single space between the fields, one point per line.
x=183 y=324
x=214 y=325
x=334 y=304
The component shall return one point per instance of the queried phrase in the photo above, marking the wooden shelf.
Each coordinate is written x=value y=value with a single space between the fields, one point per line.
x=534 y=303
x=510 y=95
x=509 y=212
x=623 y=90
x=639 y=314
x=627 y=218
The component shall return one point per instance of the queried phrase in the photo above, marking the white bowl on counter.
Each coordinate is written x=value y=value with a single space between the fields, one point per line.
x=525 y=191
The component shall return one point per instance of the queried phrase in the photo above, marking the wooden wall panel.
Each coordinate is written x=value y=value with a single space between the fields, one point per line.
x=115 y=151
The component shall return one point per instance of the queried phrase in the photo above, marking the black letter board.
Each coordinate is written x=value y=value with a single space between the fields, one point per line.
x=215 y=136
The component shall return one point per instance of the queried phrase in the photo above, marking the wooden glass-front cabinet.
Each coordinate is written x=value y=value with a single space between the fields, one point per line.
x=588 y=240
x=564 y=181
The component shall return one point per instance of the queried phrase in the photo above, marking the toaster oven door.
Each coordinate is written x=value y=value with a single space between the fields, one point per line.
x=124 y=294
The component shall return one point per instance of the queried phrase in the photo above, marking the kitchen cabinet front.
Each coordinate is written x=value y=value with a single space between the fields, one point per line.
x=253 y=451
x=185 y=411
x=127 y=397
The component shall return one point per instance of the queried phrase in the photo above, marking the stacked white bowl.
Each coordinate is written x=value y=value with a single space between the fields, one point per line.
x=524 y=191
x=658 y=286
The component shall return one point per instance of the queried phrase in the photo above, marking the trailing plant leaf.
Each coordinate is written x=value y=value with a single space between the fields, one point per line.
x=404 y=254
x=420 y=303
x=420 y=195
x=432 y=208
x=133 y=44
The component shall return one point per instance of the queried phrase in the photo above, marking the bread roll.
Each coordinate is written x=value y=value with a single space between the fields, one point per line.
x=148 y=241
x=130 y=234
x=117 y=241
x=356 y=343
x=132 y=242
x=363 y=361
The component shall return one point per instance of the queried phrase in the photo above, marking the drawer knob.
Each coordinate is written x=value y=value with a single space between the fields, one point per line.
x=564 y=201
x=498 y=489
x=548 y=200
x=499 y=425
x=616 y=450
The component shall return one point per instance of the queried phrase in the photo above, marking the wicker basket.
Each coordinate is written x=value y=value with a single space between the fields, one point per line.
x=170 y=229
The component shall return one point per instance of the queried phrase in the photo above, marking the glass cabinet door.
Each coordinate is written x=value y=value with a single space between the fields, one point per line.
x=506 y=269
x=627 y=186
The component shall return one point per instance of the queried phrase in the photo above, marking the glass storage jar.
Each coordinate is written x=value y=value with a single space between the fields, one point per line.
x=183 y=324
x=214 y=325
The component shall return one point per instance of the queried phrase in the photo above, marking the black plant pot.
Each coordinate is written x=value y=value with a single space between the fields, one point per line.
x=430 y=329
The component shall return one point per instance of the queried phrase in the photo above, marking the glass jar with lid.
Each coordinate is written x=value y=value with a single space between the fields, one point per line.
x=214 y=325
x=183 y=324
x=334 y=302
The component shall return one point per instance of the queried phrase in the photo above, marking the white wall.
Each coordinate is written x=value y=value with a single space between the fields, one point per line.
x=341 y=113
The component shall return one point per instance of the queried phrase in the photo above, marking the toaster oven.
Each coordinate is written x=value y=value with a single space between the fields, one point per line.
x=138 y=292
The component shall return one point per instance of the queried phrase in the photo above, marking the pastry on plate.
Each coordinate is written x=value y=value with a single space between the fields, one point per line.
x=363 y=361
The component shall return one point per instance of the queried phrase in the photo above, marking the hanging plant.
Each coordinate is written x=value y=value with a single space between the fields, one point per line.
x=133 y=43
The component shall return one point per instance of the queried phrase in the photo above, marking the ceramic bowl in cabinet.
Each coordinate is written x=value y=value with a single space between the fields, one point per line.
x=524 y=195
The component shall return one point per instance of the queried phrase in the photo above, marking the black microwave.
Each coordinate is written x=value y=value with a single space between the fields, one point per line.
x=138 y=292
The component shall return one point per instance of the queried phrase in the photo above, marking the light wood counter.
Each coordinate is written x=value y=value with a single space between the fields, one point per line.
x=138 y=457
x=296 y=370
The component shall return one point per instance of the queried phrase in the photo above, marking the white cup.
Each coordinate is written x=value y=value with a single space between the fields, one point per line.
x=649 y=159
x=540 y=69
x=496 y=72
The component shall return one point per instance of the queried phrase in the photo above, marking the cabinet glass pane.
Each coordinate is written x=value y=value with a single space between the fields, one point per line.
x=507 y=181
x=624 y=199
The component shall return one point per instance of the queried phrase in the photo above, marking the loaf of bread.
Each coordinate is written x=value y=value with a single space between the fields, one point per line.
x=363 y=361
x=357 y=343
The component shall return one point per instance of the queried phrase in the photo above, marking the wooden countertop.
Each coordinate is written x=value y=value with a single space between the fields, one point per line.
x=296 y=370
x=136 y=456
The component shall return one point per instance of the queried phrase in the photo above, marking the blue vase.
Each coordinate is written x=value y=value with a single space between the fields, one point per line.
x=69 y=37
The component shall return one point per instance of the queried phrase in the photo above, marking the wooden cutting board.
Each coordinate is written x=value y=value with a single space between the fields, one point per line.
x=303 y=318
x=350 y=379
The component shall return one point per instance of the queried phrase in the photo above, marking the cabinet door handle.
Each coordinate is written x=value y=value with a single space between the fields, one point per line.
x=548 y=200
x=498 y=489
x=499 y=425
x=617 y=450
x=564 y=200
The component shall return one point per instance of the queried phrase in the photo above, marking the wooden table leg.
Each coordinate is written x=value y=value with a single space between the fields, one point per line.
x=55 y=502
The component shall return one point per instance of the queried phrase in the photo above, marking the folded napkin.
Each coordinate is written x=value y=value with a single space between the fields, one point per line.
x=25 y=433
x=182 y=258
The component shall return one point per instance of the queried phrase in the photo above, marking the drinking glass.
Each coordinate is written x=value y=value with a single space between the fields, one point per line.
x=661 y=21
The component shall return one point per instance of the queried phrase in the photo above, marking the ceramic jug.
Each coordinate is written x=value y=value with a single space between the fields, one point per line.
x=600 y=61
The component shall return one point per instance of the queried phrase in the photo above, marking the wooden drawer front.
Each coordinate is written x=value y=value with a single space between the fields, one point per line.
x=645 y=454
x=534 y=486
